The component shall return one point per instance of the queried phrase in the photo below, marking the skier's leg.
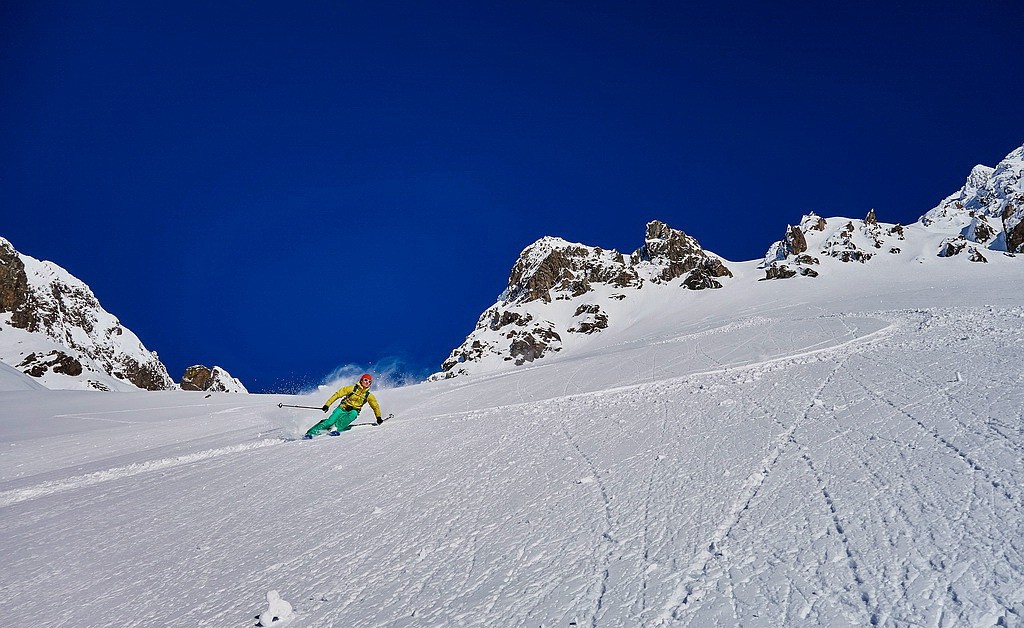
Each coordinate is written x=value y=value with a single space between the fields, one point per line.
x=326 y=423
x=345 y=420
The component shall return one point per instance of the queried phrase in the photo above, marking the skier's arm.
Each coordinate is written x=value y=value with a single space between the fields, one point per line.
x=373 y=404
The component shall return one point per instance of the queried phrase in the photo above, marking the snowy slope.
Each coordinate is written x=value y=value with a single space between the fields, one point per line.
x=13 y=379
x=842 y=452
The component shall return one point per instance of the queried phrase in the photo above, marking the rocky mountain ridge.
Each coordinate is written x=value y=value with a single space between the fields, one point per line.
x=53 y=329
x=985 y=217
x=559 y=291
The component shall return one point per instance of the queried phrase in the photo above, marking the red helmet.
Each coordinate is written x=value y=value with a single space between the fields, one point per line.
x=366 y=377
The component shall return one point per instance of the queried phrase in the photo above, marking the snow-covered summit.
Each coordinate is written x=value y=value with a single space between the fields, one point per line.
x=989 y=208
x=559 y=292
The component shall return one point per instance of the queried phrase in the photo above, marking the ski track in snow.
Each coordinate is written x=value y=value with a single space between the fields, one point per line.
x=14 y=496
x=867 y=479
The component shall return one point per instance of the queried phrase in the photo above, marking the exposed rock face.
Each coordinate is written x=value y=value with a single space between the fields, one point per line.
x=14 y=291
x=794 y=244
x=1013 y=226
x=201 y=378
x=37 y=365
x=552 y=265
x=82 y=339
x=796 y=241
x=785 y=271
x=554 y=269
x=517 y=328
x=533 y=345
x=979 y=230
x=196 y=378
x=591 y=318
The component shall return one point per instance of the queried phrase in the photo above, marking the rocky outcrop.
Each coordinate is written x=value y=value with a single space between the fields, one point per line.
x=553 y=268
x=791 y=256
x=792 y=245
x=778 y=271
x=201 y=378
x=673 y=254
x=535 y=344
x=38 y=365
x=521 y=328
x=952 y=246
x=75 y=336
x=590 y=318
x=785 y=271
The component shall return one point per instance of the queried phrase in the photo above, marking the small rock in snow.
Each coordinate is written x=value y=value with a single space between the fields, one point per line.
x=279 y=610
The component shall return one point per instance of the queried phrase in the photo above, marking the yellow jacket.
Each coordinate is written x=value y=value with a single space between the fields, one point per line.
x=355 y=397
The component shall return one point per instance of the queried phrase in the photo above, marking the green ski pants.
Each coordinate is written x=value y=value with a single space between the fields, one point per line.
x=339 y=420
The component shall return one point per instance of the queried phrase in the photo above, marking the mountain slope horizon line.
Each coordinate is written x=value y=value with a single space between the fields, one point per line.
x=53 y=329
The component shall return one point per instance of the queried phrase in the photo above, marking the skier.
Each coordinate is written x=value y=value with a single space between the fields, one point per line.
x=353 y=398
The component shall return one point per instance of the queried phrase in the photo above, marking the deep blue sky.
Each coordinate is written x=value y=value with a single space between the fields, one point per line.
x=282 y=188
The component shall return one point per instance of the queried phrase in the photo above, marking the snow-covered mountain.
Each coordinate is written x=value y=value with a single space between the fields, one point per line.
x=53 y=329
x=988 y=210
x=559 y=293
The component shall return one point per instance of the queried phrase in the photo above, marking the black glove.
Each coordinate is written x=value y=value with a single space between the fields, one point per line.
x=379 y=420
x=326 y=408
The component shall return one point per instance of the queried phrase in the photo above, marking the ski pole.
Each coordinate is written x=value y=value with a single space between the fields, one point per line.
x=285 y=405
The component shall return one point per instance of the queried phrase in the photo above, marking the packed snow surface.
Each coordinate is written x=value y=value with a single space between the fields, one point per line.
x=790 y=453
